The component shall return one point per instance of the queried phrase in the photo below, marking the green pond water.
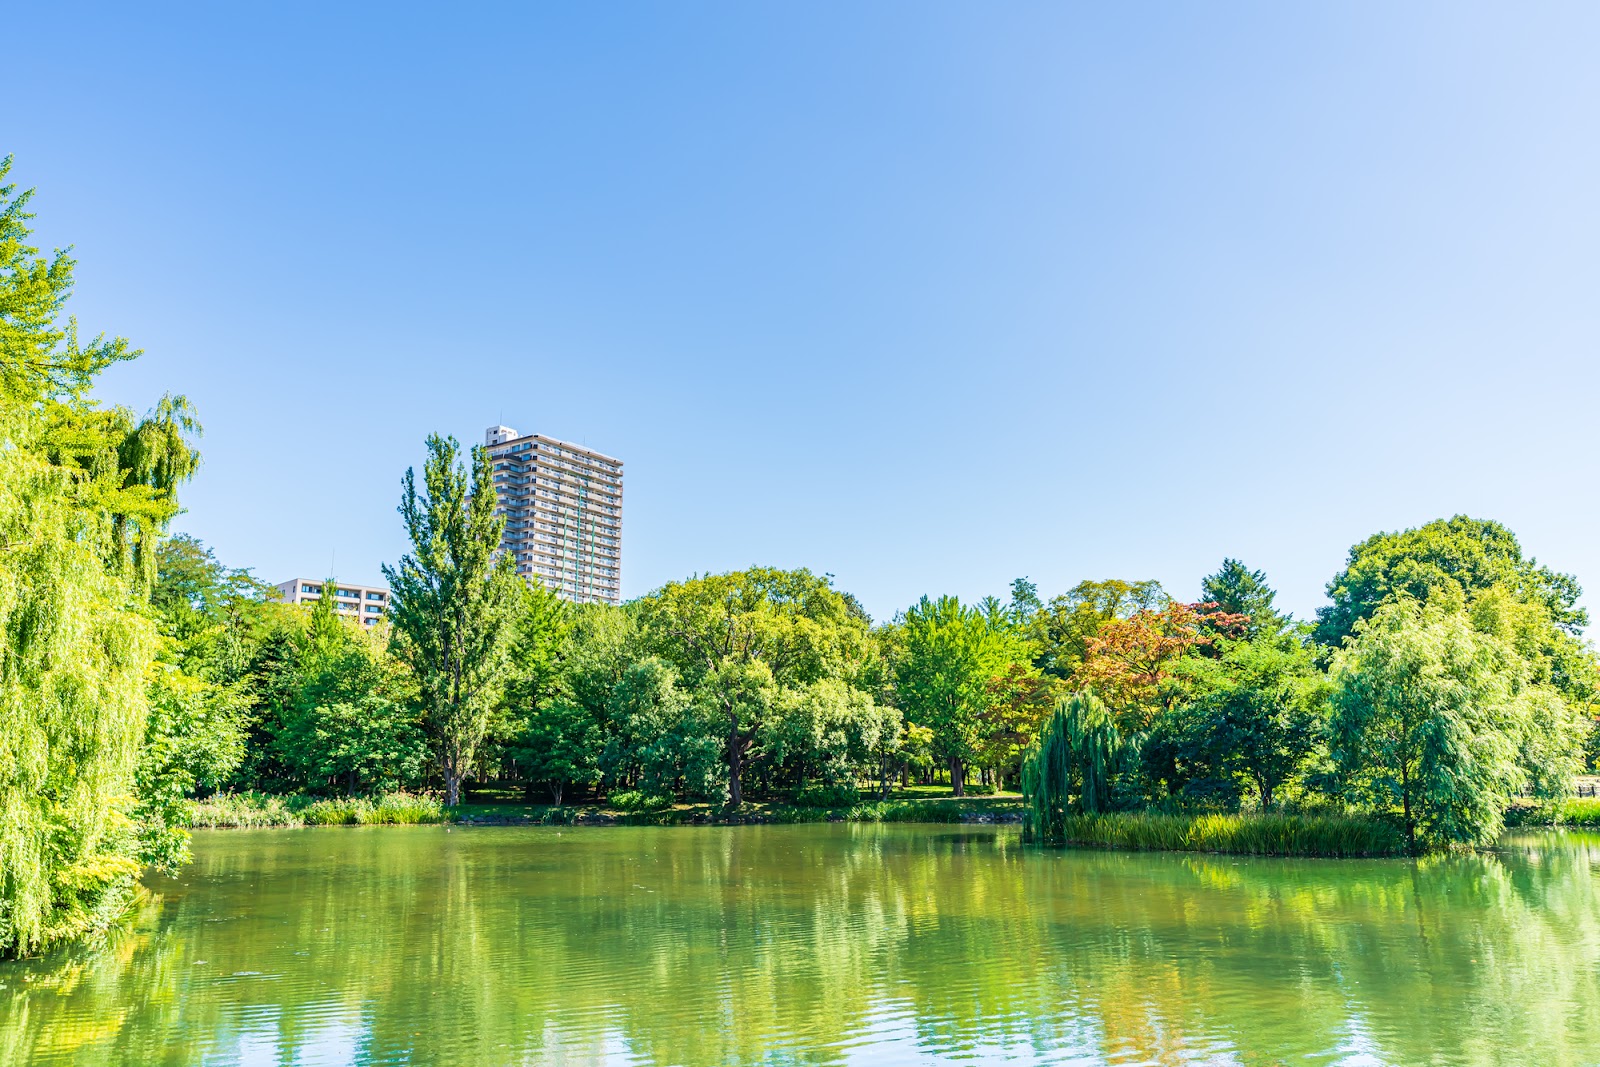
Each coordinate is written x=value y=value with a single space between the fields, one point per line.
x=822 y=944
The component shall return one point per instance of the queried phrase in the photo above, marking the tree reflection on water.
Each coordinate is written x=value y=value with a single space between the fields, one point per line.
x=806 y=944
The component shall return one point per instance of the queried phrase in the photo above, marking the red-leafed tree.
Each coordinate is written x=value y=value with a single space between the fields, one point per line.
x=1019 y=701
x=1130 y=662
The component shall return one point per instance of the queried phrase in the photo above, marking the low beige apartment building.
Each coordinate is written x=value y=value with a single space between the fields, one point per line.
x=364 y=602
x=563 y=508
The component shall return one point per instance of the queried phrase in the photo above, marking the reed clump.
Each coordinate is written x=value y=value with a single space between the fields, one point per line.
x=406 y=809
x=1245 y=834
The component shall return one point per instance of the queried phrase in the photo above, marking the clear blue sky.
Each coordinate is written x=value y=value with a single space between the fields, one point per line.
x=927 y=296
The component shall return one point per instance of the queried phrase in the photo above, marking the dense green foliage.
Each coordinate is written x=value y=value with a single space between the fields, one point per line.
x=1436 y=719
x=1454 y=560
x=1430 y=718
x=1460 y=685
x=85 y=492
x=1238 y=590
x=947 y=653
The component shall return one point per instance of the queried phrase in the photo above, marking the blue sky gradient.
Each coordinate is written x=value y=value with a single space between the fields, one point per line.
x=927 y=296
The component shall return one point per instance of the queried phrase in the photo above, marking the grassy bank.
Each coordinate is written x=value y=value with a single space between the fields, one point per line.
x=913 y=809
x=1244 y=834
x=255 y=810
x=1253 y=834
x=1580 y=812
x=245 y=811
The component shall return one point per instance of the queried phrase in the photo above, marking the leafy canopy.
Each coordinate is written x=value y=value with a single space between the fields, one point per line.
x=946 y=655
x=1435 y=719
x=738 y=640
x=1449 y=561
x=1062 y=629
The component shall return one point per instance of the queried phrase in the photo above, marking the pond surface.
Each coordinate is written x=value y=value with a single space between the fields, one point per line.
x=822 y=944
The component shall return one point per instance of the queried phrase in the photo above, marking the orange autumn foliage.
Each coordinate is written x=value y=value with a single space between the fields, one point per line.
x=1130 y=661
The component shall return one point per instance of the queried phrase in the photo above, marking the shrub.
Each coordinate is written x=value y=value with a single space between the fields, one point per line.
x=1584 y=812
x=942 y=810
x=243 y=811
x=405 y=809
x=334 y=811
x=639 y=800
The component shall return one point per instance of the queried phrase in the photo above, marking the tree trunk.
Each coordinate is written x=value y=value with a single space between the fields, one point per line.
x=957 y=783
x=452 y=787
x=1411 y=826
x=556 y=788
x=735 y=766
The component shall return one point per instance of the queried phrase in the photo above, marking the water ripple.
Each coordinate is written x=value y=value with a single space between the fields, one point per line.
x=822 y=945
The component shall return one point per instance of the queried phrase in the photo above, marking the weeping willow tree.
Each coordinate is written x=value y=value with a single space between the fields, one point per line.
x=1074 y=766
x=85 y=493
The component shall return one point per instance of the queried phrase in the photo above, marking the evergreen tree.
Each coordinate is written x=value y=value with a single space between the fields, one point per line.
x=1238 y=590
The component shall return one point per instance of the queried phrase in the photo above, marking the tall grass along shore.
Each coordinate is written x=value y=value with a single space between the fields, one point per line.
x=246 y=811
x=1253 y=834
x=1250 y=834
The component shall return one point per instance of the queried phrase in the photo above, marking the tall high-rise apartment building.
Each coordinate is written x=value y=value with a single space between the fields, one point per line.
x=563 y=509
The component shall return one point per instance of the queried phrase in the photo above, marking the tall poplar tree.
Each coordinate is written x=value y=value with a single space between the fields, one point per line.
x=452 y=601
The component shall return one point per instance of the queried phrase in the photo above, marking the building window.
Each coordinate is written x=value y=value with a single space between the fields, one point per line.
x=308 y=589
x=374 y=596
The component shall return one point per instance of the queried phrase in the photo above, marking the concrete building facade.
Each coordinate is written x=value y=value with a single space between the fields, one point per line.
x=563 y=509
x=364 y=602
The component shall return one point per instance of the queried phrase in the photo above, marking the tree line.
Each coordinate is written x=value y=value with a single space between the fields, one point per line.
x=1446 y=676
